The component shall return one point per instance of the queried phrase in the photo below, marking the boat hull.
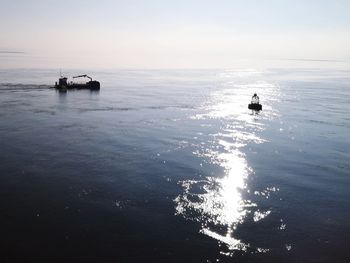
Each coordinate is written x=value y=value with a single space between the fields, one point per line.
x=91 y=85
x=255 y=106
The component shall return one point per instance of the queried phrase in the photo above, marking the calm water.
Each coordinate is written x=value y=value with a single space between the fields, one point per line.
x=171 y=166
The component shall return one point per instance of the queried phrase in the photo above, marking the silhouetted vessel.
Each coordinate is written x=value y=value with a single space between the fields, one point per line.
x=64 y=85
x=255 y=106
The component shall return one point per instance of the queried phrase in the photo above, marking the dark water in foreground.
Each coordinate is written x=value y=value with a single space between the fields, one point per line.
x=171 y=166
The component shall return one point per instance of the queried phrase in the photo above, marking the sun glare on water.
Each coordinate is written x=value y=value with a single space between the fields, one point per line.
x=217 y=203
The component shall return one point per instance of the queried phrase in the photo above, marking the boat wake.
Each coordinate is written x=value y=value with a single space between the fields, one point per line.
x=22 y=87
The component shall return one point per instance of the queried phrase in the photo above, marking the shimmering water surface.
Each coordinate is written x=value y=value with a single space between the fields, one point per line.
x=171 y=166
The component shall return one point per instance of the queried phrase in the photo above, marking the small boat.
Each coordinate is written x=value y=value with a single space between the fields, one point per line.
x=64 y=85
x=255 y=106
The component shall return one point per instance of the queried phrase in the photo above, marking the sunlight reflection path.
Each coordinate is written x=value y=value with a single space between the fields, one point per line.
x=218 y=203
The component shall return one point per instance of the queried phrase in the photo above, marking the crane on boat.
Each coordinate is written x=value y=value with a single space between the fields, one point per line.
x=83 y=76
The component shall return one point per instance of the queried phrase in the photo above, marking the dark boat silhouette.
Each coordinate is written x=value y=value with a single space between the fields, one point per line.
x=255 y=106
x=63 y=85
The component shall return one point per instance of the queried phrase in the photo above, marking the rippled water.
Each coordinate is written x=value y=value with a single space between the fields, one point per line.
x=172 y=166
x=220 y=205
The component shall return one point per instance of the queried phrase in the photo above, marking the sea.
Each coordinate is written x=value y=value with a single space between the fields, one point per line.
x=172 y=166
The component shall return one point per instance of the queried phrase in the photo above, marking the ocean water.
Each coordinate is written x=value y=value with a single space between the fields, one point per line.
x=171 y=166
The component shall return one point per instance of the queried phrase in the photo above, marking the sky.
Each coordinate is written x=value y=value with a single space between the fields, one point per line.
x=171 y=34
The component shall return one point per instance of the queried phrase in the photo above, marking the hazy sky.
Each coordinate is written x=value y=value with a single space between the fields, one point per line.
x=171 y=33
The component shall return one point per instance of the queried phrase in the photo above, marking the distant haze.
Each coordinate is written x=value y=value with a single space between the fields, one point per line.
x=171 y=34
